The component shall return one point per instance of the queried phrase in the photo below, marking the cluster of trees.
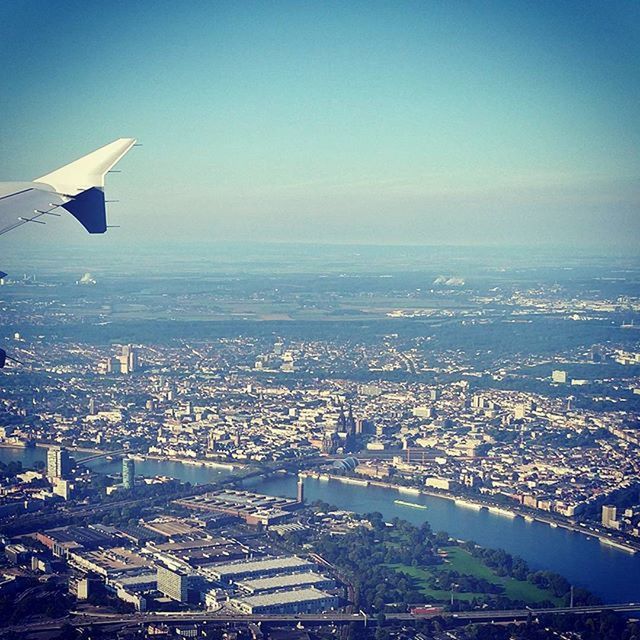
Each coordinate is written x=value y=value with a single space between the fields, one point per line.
x=447 y=579
x=366 y=557
x=34 y=599
x=122 y=516
x=504 y=564
x=365 y=554
x=605 y=626
x=10 y=469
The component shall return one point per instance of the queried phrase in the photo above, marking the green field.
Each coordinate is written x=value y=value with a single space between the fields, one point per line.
x=462 y=561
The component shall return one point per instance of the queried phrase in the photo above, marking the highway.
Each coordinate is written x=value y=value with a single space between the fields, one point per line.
x=81 y=619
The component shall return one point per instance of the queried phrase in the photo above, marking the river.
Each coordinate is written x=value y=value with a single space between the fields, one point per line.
x=612 y=574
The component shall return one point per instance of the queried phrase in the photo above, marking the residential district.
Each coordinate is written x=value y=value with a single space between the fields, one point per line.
x=523 y=434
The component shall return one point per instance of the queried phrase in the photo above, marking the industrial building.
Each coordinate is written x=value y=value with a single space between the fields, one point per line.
x=308 y=600
x=235 y=571
x=201 y=551
x=253 y=508
x=290 y=581
x=174 y=583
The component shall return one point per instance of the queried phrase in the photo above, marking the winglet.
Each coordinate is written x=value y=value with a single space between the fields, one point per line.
x=82 y=183
x=88 y=171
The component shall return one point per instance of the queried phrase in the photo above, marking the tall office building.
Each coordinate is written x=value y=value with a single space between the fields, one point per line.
x=58 y=462
x=128 y=359
x=132 y=357
x=128 y=473
x=609 y=513
x=300 y=490
x=126 y=362
x=173 y=583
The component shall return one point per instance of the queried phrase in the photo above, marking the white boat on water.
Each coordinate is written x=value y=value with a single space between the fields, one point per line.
x=410 y=504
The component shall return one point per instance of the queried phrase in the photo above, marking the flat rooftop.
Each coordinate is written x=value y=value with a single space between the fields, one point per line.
x=283 y=582
x=284 y=597
x=114 y=560
x=190 y=545
x=171 y=527
x=243 y=501
x=257 y=566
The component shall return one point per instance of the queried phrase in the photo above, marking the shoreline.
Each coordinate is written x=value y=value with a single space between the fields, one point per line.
x=477 y=505
x=461 y=501
x=138 y=457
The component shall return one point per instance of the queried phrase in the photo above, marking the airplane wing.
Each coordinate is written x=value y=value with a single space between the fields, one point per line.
x=77 y=187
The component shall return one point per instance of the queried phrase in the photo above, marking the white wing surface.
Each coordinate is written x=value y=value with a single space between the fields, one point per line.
x=77 y=187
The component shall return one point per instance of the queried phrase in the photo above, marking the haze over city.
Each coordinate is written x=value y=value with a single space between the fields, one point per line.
x=319 y=320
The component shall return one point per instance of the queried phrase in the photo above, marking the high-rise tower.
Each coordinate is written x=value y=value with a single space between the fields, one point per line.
x=58 y=462
x=128 y=473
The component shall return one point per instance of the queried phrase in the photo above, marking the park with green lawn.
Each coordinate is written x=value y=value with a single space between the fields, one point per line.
x=458 y=559
x=399 y=564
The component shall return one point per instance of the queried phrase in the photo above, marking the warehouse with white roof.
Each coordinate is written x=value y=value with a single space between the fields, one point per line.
x=308 y=600
x=290 y=581
x=235 y=571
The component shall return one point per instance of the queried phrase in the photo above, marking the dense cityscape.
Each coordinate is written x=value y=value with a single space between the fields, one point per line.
x=156 y=474
x=320 y=320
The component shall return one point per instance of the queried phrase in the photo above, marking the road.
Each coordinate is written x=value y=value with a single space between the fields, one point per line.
x=79 y=619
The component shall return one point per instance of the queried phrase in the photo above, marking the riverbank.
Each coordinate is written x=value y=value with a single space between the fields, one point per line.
x=213 y=464
x=21 y=444
x=465 y=502
x=477 y=505
x=227 y=466
x=609 y=572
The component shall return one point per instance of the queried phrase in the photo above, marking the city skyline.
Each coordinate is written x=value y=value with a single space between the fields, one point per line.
x=361 y=361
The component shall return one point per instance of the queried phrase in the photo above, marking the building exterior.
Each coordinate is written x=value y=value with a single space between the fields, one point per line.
x=128 y=473
x=559 y=376
x=173 y=583
x=125 y=363
x=58 y=463
x=62 y=488
x=291 y=581
x=17 y=553
x=609 y=513
x=308 y=600
x=253 y=508
x=128 y=359
x=234 y=571
x=86 y=585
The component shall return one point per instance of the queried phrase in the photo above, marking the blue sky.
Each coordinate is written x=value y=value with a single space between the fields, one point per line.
x=364 y=122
